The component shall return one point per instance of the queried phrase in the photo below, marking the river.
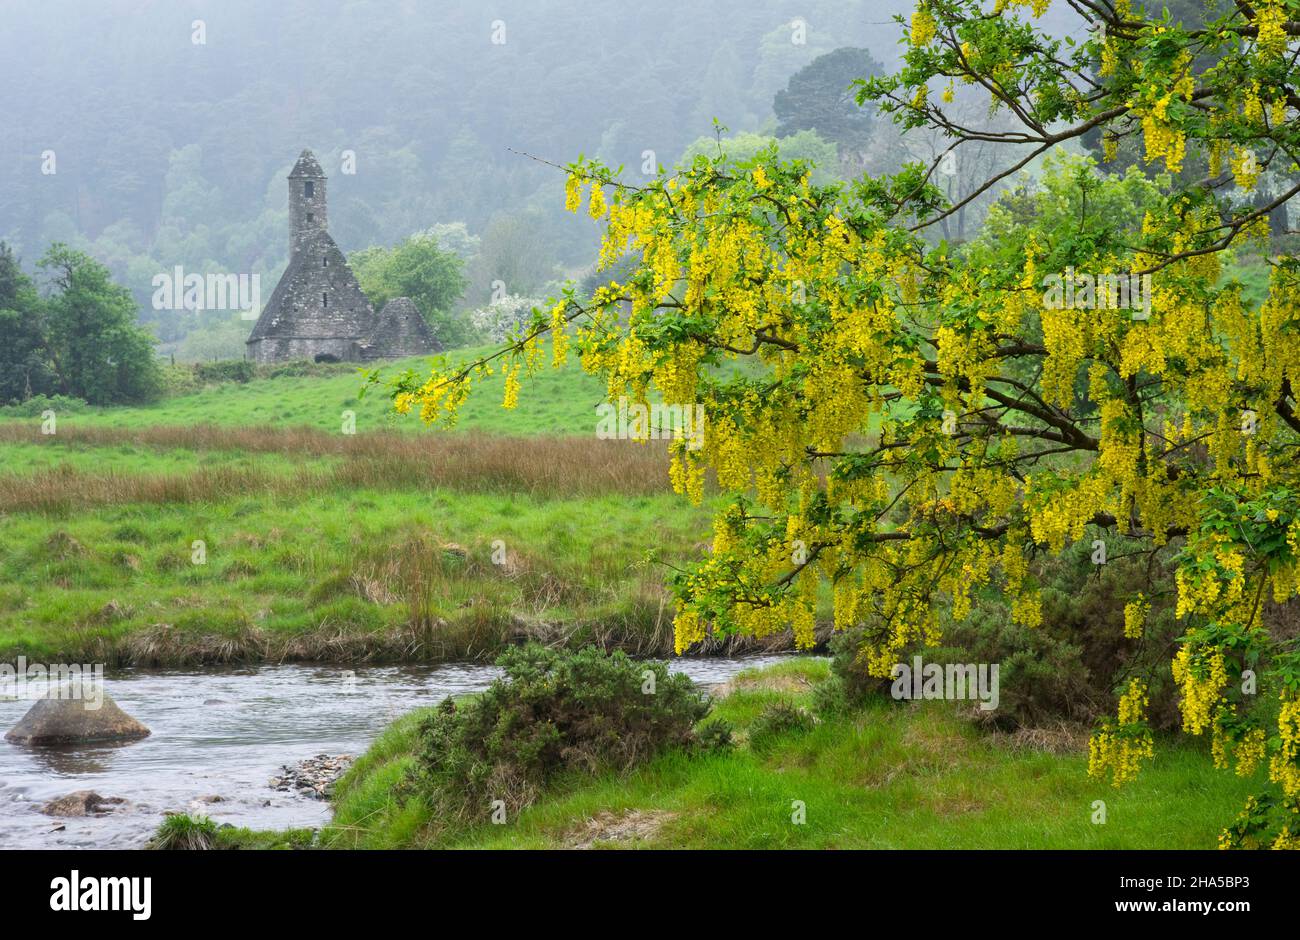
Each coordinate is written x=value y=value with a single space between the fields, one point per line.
x=226 y=733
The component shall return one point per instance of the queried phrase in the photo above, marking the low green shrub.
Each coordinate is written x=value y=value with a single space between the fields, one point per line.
x=228 y=370
x=297 y=368
x=714 y=736
x=776 y=720
x=179 y=380
x=553 y=711
x=1069 y=666
x=37 y=405
x=830 y=697
x=854 y=686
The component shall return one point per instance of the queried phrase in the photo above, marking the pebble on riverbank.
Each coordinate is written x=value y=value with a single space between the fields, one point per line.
x=314 y=777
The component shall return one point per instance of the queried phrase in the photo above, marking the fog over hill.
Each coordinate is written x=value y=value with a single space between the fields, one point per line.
x=170 y=126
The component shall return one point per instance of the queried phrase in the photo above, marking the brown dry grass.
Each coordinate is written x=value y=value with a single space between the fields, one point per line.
x=545 y=466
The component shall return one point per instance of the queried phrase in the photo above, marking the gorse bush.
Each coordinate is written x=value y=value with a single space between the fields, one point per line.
x=552 y=712
x=777 y=719
x=1066 y=667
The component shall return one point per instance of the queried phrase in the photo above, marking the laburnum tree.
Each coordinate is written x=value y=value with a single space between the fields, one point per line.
x=901 y=423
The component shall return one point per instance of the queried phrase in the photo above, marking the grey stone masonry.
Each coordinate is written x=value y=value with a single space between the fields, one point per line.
x=318 y=308
x=400 y=331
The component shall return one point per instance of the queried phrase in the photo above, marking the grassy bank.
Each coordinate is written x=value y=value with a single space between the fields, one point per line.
x=887 y=775
x=391 y=543
x=338 y=573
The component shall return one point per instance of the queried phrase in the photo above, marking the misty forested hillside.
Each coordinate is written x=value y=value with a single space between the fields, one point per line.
x=170 y=151
x=171 y=141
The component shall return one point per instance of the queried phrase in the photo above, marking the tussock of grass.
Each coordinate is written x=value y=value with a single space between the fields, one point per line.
x=185 y=833
x=198 y=833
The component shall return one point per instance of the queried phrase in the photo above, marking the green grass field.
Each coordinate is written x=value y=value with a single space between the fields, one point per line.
x=397 y=542
x=888 y=775
x=559 y=401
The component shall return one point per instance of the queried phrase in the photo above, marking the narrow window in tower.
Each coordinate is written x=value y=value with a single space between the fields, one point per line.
x=325 y=261
x=311 y=217
x=310 y=189
x=324 y=299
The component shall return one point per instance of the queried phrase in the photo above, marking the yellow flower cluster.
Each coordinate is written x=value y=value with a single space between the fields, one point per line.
x=1120 y=749
x=1212 y=592
x=573 y=192
x=1109 y=65
x=1038 y=7
x=1250 y=751
x=1286 y=839
x=1245 y=168
x=439 y=398
x=1270 y=19
x=1161 y=136
x=686 y=473
x=596 y=207
x=1135 y=615
x=1284 y=766
x=688 y=629
x=511 y=396
x=1056 y=517
x=1027 y=609
x=923 y=27
x=1201 y=676
x=559 y=336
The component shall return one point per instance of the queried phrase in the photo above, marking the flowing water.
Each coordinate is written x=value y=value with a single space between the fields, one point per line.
x=225 y=733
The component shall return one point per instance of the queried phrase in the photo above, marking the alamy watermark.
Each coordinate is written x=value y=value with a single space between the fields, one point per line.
x=950 y=682
x=1075 y=290
x=637 y=422
x=176 y=290
x=63 y=681
x=103 y=893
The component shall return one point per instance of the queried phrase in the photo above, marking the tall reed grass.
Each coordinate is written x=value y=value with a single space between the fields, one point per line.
x=543 y=466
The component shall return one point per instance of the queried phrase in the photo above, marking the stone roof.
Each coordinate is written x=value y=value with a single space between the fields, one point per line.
x=307 y=167
x=294 y=310
x=399 y=331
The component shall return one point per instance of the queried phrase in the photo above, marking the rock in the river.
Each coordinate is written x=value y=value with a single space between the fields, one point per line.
x=54 y=721
x=81 y=803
